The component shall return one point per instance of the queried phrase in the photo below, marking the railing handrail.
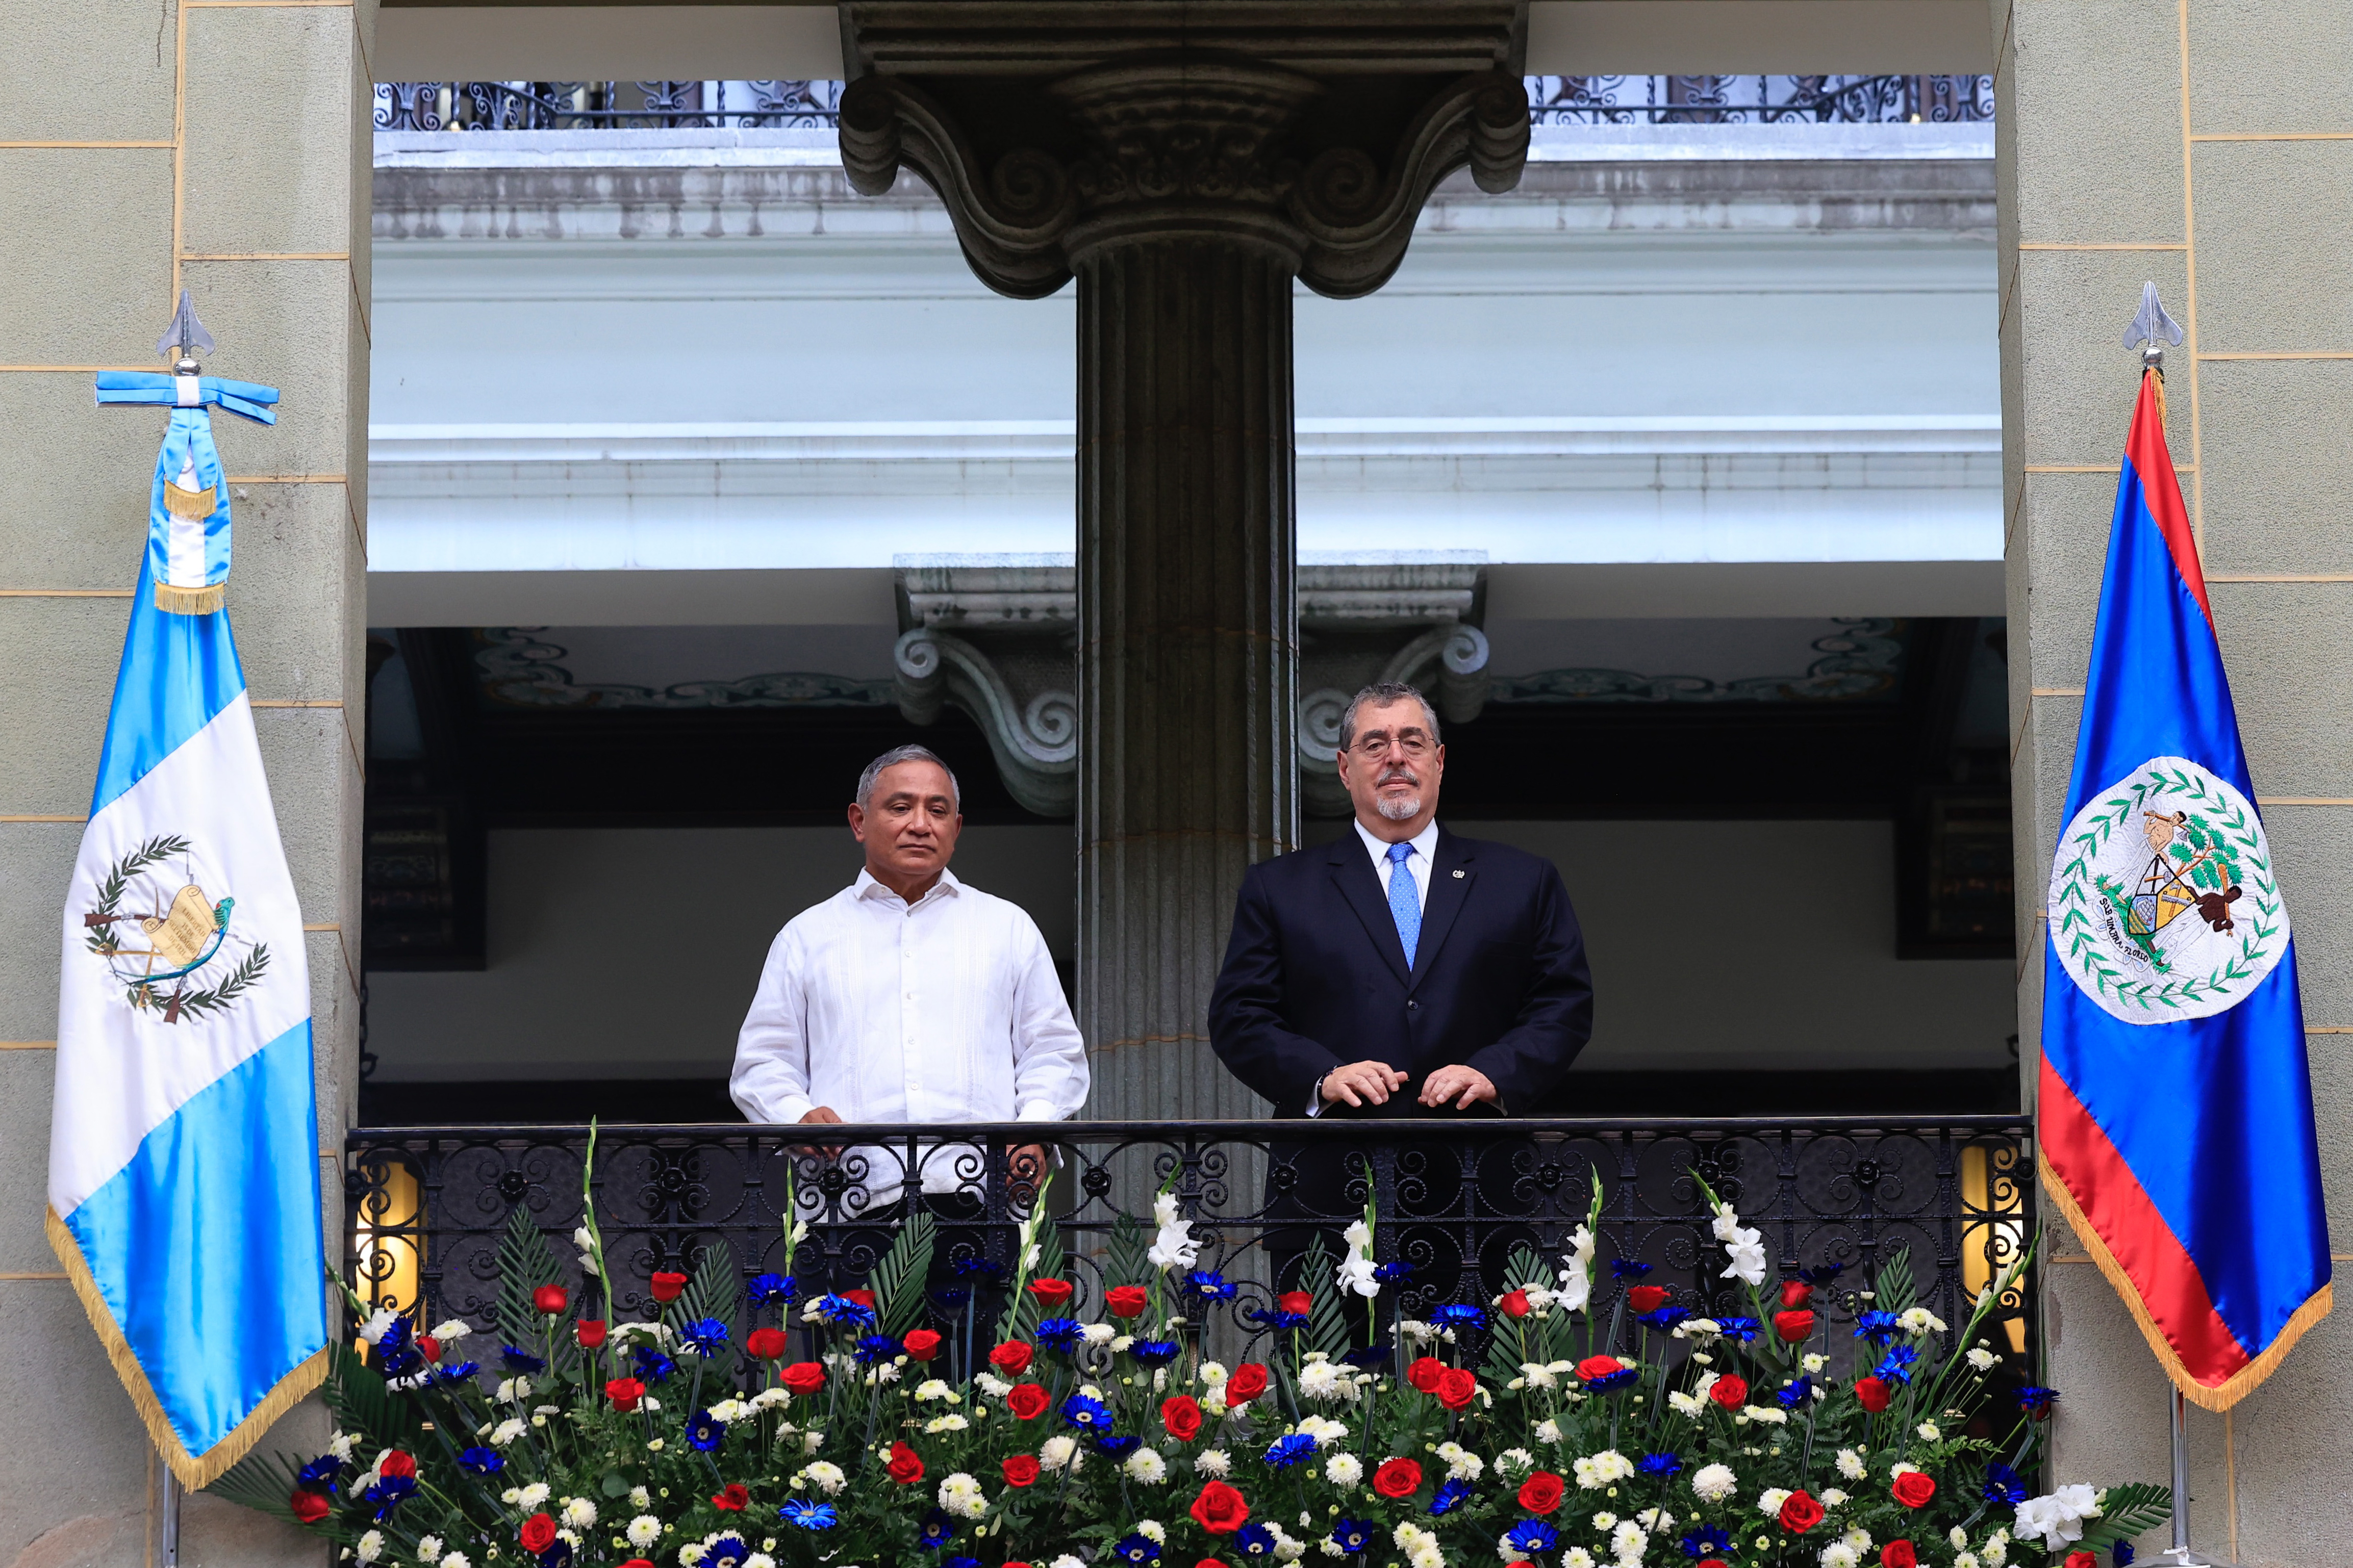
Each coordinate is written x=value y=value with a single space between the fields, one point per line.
x=1244 y=1130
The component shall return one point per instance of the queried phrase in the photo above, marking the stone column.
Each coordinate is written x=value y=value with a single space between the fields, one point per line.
x=1186 y=171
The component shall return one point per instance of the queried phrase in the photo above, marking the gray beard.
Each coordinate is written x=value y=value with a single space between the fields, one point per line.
x=1399 y=810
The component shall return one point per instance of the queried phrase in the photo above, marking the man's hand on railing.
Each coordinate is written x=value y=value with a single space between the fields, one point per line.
x=819 y=1115
x=1361 y=1083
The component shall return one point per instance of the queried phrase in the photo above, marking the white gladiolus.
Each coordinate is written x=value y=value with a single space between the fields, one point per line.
x=1713 y=1483
x=1576 y=1279
x=1744 y=1248
x=340 y=1446
x=1173 y=1246
x=1356 y=1271
x=2059 y=1517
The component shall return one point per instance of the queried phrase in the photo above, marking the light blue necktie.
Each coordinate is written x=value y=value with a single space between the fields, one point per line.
x=1405 y=907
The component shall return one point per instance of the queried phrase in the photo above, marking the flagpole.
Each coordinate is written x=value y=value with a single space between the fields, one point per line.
x=167 y=1527
x=2181 y=1555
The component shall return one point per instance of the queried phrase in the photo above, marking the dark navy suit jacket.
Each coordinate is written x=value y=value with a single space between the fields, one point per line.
x=1315 y=977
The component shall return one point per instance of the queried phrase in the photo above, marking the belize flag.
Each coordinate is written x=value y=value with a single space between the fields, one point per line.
x=2174 y=1105
x=184 y=1152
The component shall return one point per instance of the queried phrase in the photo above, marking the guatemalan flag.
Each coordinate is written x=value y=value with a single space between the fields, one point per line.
x=184 y=1168
x=2175 y=1108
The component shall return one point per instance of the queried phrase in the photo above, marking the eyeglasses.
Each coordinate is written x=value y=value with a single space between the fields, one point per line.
x=1413 y=745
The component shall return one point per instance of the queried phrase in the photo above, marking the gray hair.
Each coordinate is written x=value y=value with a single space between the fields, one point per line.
x=892 y=759
x=1380 y=694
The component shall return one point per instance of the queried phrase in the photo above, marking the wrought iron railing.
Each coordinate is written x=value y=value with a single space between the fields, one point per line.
x=1552 y=101
x=428 y=1206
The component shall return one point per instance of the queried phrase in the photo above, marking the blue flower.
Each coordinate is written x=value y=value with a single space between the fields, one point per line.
x=730 y=1548
x=1614 y=1380
x=1119 y=1445
x=1350 y=1535
x=987 y=1268
x=1289 y=1451
x=520 y=1359
x=652 y=1365
x=389 y=1492
x=1089 y=1415
x=1369 y=1355
x=1450 y=1496
x=482 y=1461
x=1137 y=1548
x=1155 y=1353
x=1822 y=1273
x=2002 y=1486
x=1877 y=1327
x=1208 y=1284
x=1662 y=1465
x=1387 y=1273
x=400 y=1362
x=959 y=1563
x=1664 y=1319
x=1459 y=1315
x=771 y=1289
x=1532 y=1537
x=1281 y=1320
x=1897 y=1364
x=706 y=1431
x=873 y=1348
x=937 y=1532
x=557 y=1555
x=809 y=1515
x=395 y=1337
x=1061 y=1334
x=1627 y=1269
x=705 y=1334
x=1707 y=1540
x=460 y=1372
x=1797 y=1395
x=321 y=1472
x=841 y=1310
x=1740 y=1329
x=1255 y=1540
x=2035 y=1398
x=2123 y=1553
x=953 y=1297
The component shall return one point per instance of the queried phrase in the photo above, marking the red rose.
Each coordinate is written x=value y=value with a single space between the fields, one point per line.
x=550 y=1298
x=310 y=1507
x=1426 y=1371
x=1514 y=1304
x=1220 y=1510
x=1007 y=1565
x=1872 y=1393
x=766 y=1344
x=1126 y=1300
x=1011 y=1358
x=804 y=1376
x=666 y=1286
x=1900 y=1554
x=1914 y=1489
x=2080 y=1560
x=637 y=1562
x=397 y=1464
x=538 y=1533
x=625 y=1393
x=1540 y=1493
x=1646 y=1298
x=863 y=1297
x=731 y=1498
x=1398 y=1479
x=1298 y=1303
x=1795 y=1326
x=923 y=1344
x=1800 y=1513
x=1594 y=1368
x=1732 y=1393
x=1021 y=1470
x=1209 y=1562
x=1027 y=1401
x=1457 y=1388
x=1796 y=1293
x=1248 y=1381
x=1050 y=1292
x=906 y=1464
x=1705 y=1563
x=428 y=1347
x=589 y=1331
x=1181 y=1417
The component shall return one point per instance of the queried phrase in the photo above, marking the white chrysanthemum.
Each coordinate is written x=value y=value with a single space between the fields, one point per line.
x=1462 y=1464
x=428 y=1549
x=1537 y=1375
x=1655 y=1519
x=1813 y=1362
x=1858 y=1537
x=1958 y=1537
x=1772 y=1497
x=1547 y=1430
x=1850 y=1464
x=1996 y=1549
x=1834 y=1497
x=1327 y=1381
x=1515 y=1462
x=932 y=1389
x=1066 y=1561
x=1100 y=1334
x=1344 y=1470
x=1839 y=1555
x=1965 y=1560
x=457 y=1560
x=1928 y=1431
x=532 y=1495
x=1147 y=1466
x=1213 y=1462
x=1629 y=1541
x=1150 y=1529
x=1920 y=1321
x=1213 y=1373
x=769 y=1399
x=507 y=1431
x=826 y=1477
x=960 y=1497
x=369 y=1547
x=1426 y=1554
x=1290 y=1549
x=1605 y=1521
x=1327 y=1433
x=579 y=1513
x=1057 y=1452
x=1683 y=1404
x=1576 y=1557
x=759 y=1560
x=1605 y=1468
x=691 y=1554
x=991 y=1384
x=950 y=1423
x=514 y=1390
x=1713 y=1483
x=1982 y=1358
x=640 y=1498
x=644 y=1530
x=1414 y=1332
x=1766 y=1413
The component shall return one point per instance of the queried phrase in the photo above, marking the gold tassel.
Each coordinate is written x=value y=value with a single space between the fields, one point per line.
x=195 y=1471
x=190 y=504
x=202 y=601
x=2157 y=385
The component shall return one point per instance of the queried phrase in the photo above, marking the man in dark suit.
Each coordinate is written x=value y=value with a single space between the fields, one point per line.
x=1402 y=971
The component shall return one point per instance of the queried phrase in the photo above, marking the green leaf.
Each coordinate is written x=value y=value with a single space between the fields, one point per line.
x=262 y=1482
x=2126 y=1512
x=1126 y=1264
x=715 y=1290
x=362 y=1405
x=525 y=1263
x=1894 y=1291
x=898 y=1281
x=1327 y=1327
x=613 y=1484
x=1020 y=1320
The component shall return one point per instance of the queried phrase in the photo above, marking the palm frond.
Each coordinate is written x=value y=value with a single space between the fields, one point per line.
x=2126 y=1511
x=1327 y=1326
x=898 y=1281
x=1894 y=1291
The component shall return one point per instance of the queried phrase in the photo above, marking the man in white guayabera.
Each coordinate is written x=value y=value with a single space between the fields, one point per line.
x=909 y=997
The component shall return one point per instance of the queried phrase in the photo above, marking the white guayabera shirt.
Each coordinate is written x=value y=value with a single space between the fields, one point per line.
x=944 y=1010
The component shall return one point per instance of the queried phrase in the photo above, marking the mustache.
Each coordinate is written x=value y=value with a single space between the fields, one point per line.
x=1396 y=776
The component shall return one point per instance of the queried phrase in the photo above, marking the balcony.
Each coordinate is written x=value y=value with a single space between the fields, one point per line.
x=430 y=1207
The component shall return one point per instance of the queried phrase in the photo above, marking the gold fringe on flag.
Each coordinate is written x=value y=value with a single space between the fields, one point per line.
x=2157 y=386
x=2216 y=1397
x=176 y=601
x=191 y=503
x=195 y=1470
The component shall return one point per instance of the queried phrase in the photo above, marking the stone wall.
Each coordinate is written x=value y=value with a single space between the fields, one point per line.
x=2203 y=146
x=144 y=147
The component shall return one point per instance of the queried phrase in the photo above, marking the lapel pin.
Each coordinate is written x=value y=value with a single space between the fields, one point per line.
x=1458 y=873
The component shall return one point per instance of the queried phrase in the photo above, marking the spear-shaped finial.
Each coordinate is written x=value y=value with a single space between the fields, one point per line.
x=2153 y=328
x=186 y=336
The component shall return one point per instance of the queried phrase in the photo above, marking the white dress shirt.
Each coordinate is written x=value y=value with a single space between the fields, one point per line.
x=1417 y=866
x=944 y=1010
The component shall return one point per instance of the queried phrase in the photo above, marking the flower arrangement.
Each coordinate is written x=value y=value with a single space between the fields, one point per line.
x=762 y=1426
